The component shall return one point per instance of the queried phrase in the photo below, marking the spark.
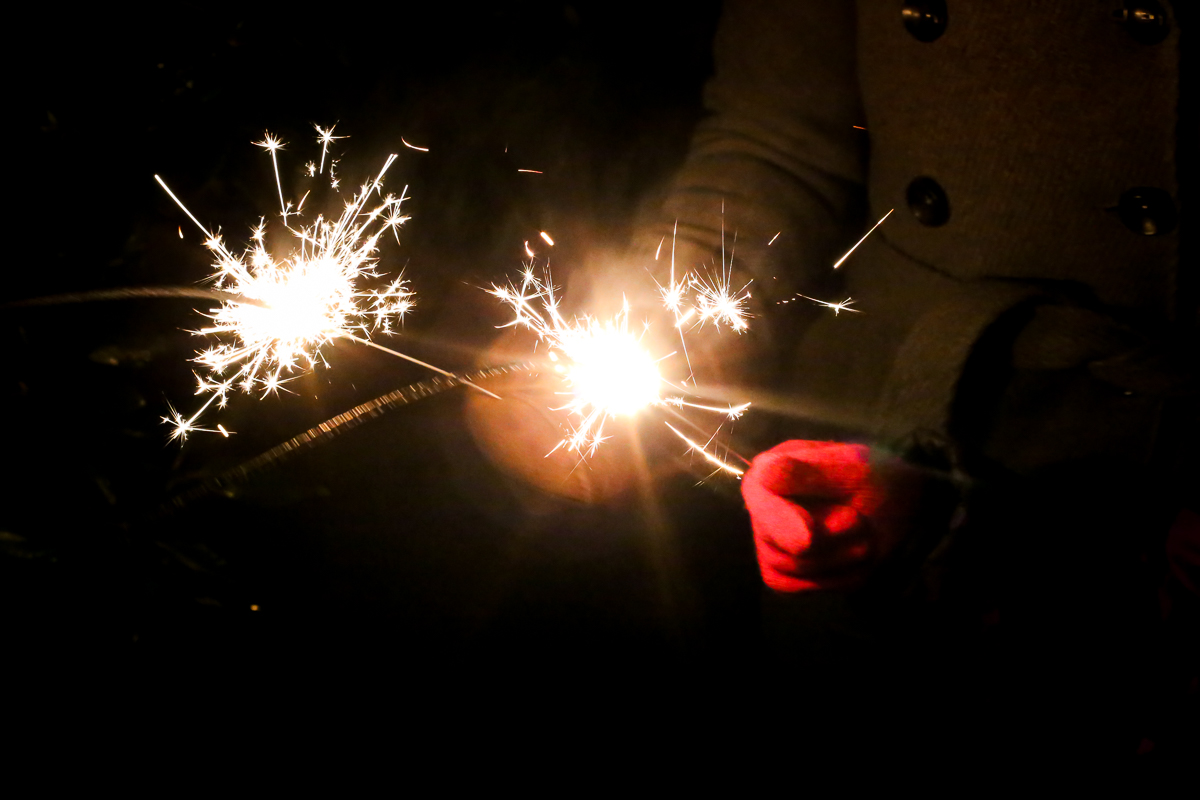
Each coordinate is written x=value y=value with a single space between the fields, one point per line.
x=717 y=302
x=326 y=138
x=858 y=127
x=607 y=371
x=713 y=298
x=837 y=308
x=672 y=298
x=773 y=238
x=285 y=308
x=532 y=171
x=272 y=145
x=732 y=412
x=863 y=239
x=546 y=236
x=699 y=448
x=413 y=146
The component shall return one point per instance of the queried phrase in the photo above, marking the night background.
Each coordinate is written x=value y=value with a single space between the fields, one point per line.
x=396 y=539
x=394 y=549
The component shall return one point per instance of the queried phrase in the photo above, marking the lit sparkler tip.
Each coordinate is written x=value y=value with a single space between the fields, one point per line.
x=718 y=303
x=837 y=308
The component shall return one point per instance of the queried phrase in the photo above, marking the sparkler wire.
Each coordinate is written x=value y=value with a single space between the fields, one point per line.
x=329 y=429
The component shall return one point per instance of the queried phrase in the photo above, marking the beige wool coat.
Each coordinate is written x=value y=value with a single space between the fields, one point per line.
x=1024 y=291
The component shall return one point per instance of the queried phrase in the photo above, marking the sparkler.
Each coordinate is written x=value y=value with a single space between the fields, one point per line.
x=605 y=367
x=285 y=309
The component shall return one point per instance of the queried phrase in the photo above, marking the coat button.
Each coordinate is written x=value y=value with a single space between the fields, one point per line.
x=1147 y=210
x=1144 y=20
x=924 y=19
x=928 y=202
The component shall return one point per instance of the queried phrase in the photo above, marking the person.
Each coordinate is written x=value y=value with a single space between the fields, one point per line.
x=1004 y=433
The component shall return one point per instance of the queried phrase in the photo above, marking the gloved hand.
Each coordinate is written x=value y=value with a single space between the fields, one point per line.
x=823 y=513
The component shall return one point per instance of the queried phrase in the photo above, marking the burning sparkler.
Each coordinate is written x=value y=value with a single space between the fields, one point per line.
x=285 y=309
x=607 y=370
x=605 y=367
x=836 y=308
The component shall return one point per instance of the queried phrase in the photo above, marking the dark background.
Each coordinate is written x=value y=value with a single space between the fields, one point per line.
x=394 y=550
x=395 y=543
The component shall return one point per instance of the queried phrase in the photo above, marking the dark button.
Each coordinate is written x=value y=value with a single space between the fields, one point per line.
x=1144 y=20
x=924 y=19
x=1148 y=211
x=927 y=201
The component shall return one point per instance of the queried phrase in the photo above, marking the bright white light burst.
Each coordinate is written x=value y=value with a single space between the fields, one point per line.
x=296 y=303
x=606 y=368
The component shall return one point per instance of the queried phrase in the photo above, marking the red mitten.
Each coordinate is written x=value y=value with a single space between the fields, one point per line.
x=814 y=507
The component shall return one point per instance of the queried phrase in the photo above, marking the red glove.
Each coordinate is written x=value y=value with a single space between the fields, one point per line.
x=820 y=513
